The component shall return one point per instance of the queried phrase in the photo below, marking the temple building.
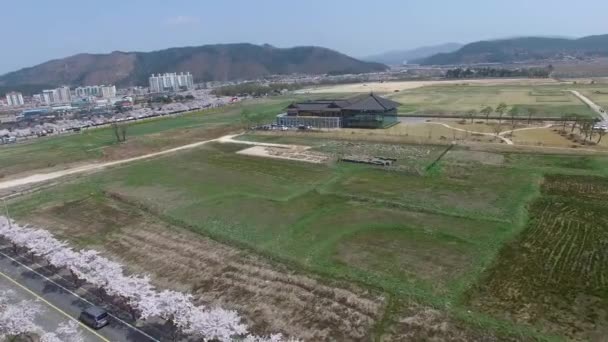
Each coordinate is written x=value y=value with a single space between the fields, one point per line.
x=363 y=111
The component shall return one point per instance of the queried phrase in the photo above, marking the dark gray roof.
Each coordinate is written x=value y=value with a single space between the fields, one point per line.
x=367 y=102
x=371 y=102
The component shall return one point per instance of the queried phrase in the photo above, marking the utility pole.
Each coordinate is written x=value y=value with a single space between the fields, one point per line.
x=8 y=218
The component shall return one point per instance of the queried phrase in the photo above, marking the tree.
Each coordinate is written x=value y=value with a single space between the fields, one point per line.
x=497 y=129
x=513 y=112
x=601 y=134
x=120 y=132
x=487 y=111
x=16 y=319
x=66 y=332
x=216 y=324
x=471 y=114
x=123 y=132
x=531 y=112
x=500 y=109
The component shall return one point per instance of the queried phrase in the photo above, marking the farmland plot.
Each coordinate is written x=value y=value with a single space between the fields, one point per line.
x=555 y=276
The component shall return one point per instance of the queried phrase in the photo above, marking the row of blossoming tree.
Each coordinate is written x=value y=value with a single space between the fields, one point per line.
x=133 y=293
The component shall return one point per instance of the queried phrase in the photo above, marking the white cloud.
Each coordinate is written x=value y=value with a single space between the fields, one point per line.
x=182 y=20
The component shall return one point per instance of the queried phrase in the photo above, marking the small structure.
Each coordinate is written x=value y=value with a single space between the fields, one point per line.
x=379 y=161
x=363 y=111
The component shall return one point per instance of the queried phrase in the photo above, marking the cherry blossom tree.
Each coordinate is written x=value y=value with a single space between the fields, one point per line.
x=215 y=324
x=134 y=293
x=16 y=318
x=66 y=332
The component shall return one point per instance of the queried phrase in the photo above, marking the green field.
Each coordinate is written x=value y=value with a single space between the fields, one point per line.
x=597 y=94
x=556 y=273
x=427 y=237
x=546 y=101
x=143 y=137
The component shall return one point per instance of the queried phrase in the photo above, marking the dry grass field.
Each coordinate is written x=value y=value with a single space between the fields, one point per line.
x=544 y=100
x=389 y=87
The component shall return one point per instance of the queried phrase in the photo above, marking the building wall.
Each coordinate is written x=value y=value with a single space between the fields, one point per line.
x=14 y=99
x=170 y=82
x=314 y=121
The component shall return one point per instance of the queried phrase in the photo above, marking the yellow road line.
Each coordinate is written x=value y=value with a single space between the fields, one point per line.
x=54 y=307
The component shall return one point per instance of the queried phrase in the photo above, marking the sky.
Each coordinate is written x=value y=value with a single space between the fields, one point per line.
x=34 y=31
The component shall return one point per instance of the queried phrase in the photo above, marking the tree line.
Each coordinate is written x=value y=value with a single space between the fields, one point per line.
x=133 y=293
x=255 y=89
x=498 y=72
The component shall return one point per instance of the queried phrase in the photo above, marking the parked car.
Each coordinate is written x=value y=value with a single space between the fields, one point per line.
x=94 y=317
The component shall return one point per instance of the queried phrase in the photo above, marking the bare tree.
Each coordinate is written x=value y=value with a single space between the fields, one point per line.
x=497 y=129
x=115 y=128
x=502 y=107
x=471 y=114
x=601 y=134
x=120 y=131
x=487 y=111
x=123 y=132
x=513 y=112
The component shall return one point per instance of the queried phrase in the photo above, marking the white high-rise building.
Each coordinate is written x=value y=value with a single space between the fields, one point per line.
x=104 y=91
x=57 y=95
x=108 y=91
x=49 y=96
x=171 y=82
x=64 y=94
x=14 y=99
x=87 y=91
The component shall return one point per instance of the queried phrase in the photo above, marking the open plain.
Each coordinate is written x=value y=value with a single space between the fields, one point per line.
x=464 y=237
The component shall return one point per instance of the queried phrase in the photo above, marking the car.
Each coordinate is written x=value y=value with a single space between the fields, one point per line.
x=94 y=317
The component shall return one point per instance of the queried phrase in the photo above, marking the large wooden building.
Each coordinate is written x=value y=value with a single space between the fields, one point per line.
x=363 y=111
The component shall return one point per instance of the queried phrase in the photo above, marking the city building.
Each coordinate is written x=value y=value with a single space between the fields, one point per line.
x=363 y=111
x=108 y=92
x=57 y=96
x=14 y=99
x=171 y=82
x=104 y=91
x=87 y=91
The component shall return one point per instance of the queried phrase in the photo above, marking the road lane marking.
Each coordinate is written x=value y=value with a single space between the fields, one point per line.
x=53 y=306
x=128 y=325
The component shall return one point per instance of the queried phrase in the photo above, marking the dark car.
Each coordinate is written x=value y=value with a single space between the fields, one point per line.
x=94 y=317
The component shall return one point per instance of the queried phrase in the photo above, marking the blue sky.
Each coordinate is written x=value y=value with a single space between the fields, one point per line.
x=34 y=31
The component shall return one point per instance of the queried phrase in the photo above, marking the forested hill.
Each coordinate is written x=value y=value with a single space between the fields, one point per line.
x=522 y=50
x=220 y=62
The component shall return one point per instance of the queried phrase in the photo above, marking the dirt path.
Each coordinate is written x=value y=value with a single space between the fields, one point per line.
x=498 y=136
x=42 y=177
x=591 y=104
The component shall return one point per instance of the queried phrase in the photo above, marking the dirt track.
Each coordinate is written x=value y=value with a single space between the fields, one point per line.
x=42 y=177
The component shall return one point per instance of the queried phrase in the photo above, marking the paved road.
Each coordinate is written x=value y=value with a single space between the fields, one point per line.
x=50 y=317
x=63 y=302
x=591 y=104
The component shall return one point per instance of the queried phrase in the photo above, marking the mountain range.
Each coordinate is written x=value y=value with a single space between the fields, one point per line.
x=399 y=57
x=525 y=49
x=220 y=62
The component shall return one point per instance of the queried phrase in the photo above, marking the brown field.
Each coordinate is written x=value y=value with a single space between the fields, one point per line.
x=217 y=274
x=555 y=275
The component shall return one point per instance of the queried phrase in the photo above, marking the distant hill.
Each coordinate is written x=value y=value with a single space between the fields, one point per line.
x=522 y=50
x=398 y=57
x=220 y=62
